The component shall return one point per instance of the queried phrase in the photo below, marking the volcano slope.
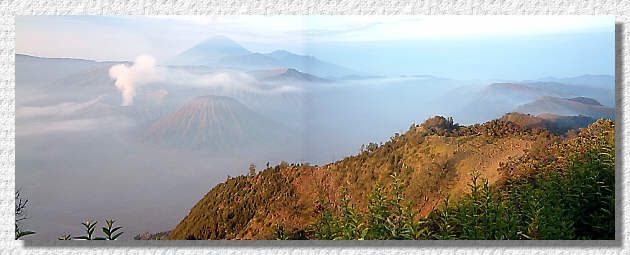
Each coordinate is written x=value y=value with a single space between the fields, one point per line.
x=432 y=159
x=215 y=123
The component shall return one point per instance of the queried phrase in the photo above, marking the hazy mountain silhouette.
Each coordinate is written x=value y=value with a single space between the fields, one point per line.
x=573 y=106
x=589 y=80
x=209 y=52
x=518 y=92
x=286 y=75
x=38 y=71
x=310 y=64
x=604 y=94
x=496 y=99
x=280 y=59
x=221 y=51
x=250 y=61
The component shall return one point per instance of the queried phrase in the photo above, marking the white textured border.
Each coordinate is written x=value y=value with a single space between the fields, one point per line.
x=9 y=8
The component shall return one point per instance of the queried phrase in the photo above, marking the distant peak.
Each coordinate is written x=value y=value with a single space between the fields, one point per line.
x=218 y=38
x=219 y=41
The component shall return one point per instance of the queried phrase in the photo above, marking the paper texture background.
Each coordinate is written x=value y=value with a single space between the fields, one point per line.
x=619 y=9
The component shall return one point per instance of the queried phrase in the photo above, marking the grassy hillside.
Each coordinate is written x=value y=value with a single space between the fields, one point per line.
x=432 y=159
x=564 y=191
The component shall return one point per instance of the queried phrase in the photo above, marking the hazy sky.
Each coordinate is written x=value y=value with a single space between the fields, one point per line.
x=465 y=47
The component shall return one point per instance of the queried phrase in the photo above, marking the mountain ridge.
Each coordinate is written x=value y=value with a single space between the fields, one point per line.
x=221 y=51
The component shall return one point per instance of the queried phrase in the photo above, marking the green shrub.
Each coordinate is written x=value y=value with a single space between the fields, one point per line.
x=90 y=227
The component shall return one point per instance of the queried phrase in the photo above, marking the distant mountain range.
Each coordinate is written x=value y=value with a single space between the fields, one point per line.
x=220 y=51
x=598 y=81
x=498 y=98
x=250 y=62
x=286 y=75
x=518 y=92
x=215 y=123
x=494 y=100
x=31 y=71
x=209 y=52
x=568 y=106
x=604 y=94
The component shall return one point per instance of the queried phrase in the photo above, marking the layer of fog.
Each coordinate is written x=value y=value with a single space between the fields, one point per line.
x=73 y=177
x=74 y=169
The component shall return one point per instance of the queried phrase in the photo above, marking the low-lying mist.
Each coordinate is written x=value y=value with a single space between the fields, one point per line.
x=75 y=166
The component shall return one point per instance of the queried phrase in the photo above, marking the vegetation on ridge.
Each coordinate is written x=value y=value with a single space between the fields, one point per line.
x=432 y=160
x=565 y=193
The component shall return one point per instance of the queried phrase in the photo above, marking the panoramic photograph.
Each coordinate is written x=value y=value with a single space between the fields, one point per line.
x=314 y=127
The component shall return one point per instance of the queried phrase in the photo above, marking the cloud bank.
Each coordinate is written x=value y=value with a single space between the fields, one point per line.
x=61 y=110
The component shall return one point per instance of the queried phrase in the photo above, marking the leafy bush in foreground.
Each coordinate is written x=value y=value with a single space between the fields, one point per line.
x=388 y=217
x=89 y=227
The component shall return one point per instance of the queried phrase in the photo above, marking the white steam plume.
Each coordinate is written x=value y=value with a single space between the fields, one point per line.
x=144 y=71
x=128 y=78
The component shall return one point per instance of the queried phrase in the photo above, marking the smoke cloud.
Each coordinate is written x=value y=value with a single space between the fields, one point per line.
x=144 y=71
x=129 y=78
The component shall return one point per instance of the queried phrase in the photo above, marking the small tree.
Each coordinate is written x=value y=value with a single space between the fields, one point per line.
x=20 y=215
x=252 y=169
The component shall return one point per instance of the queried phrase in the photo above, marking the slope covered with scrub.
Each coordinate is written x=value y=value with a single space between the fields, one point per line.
x=562 y=191
x=433 y=159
